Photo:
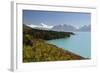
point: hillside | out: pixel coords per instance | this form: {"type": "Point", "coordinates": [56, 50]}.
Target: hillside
{"type": "Point", "coordinates": [36, 49]}
{"type": "Point", "coordinates": [45, 34]}
{"type": "Point", "coordinates": [42, 51]}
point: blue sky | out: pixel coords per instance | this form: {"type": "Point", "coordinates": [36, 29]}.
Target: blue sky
{"type": "Point", "coordinates": [56, 18]}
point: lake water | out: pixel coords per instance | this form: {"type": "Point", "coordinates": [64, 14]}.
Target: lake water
{"type": "Point", "coordinates": [80, 43]}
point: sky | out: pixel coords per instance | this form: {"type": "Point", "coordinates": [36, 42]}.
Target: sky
{"type": "Point", "coordinates": [56, 18]}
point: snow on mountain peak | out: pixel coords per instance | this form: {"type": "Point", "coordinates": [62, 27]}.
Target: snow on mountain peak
{"type": "Point", "coordinates": [42, 26]}
{"type": "Point", "coordinates": [46, 26]}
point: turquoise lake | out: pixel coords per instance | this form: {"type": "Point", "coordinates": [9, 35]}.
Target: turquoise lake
{"type": "Point", "coordinates": [80, 43]}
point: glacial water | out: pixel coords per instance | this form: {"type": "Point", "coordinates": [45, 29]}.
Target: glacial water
{"type": "Point", "coordinates": [80, 43]}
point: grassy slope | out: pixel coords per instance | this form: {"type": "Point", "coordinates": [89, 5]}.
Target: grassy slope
{"type": "Point", "coordinates": [35, 48]}
{"type": "Point", "coordinates": [42, 51]}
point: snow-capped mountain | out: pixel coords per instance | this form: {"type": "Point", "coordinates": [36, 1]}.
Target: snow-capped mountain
{"type": "Point", "coordinates": [61, 27]}
{"type": "Point", "coordinates": [64, 27]}
{"type": "Point", "coordinates": [46, 26]}
{"type": "Point", "coordinates": [85, 28]}
{"type": "Point", "coordinates": [41, 26]}
{"type": "Point", "coordinates": [71, 28]}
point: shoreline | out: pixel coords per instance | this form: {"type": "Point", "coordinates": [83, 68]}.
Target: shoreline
{"type": "Point", "coordinates": [48, 52]}
{"type": "Point", "coordinates": [36, 49]}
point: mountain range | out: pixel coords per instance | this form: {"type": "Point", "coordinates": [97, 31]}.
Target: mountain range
{"type": "Point", "coordinates": [41, 26]}
{"type": "Point", "coordinates": [66, 27]}
{"type": "Point", "coordinates": [61, 27]}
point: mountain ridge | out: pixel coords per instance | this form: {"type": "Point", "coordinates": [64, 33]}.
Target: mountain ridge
{"type": "Point", "coordinates": [61, 27]}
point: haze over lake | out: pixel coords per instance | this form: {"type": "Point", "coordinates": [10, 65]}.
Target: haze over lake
{"type": "Point", "coordinates": [79, 43]}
